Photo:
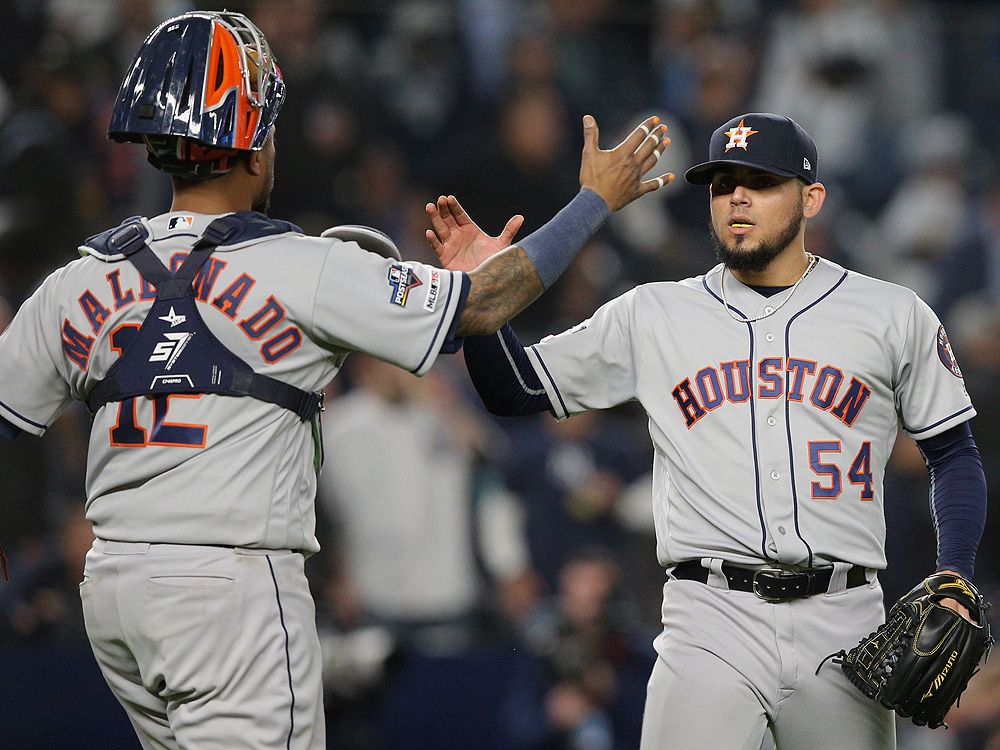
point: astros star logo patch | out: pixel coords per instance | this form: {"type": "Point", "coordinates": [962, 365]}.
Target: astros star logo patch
{"type": "Point", "coordinates": [945, 353]}
{"type": "Point", "coordinates": [738, 136]}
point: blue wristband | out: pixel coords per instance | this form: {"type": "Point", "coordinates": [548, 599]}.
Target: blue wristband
{"type": "Point", "coordinates": [554, 246]}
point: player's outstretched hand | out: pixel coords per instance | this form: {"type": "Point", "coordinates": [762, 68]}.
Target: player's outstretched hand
{"type": "Point", "coordinates": [616, 174]}
{"type": "Point", "coordinates": [458, 241]}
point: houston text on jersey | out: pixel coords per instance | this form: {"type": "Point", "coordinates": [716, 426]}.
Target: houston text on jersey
{"type": "Point", "coordinates": [826, 387]}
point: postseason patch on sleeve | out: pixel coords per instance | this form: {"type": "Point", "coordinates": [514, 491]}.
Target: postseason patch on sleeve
{"type": "Point", "coordinates": [946, 354]}
{"type": "Point", "coordinates": [402, 279]}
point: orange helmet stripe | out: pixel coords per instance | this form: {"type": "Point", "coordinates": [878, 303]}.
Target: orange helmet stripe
{"type": "Point", "coordinates": [224, 74]}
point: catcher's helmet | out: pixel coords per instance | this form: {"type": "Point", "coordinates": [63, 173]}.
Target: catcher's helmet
{"type": "Point", "coordinates": [204, 76]}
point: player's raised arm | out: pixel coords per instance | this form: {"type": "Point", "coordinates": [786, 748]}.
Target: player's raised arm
{"type": "Point", "coordinates": [505, 279]}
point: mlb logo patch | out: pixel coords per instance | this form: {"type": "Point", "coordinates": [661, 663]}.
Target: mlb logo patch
{"type": "Point", "coordinates": [433, 291]}
{"type": "Point", "coordinates": [402, 279]}
{"type": "Point", "coordinates": [180, 222]}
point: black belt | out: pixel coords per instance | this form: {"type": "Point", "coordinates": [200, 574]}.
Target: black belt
{"type": "Point", "coordinates": [772, 584]}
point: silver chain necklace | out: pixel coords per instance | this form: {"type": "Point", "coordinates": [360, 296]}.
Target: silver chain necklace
{"type": "Point", "coordinates": [813, 260]}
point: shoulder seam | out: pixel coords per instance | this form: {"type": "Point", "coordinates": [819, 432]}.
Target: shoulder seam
{"type": "Point", "coordinates": [906, 328]}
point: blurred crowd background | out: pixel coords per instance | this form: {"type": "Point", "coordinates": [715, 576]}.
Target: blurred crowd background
{"type": "Point", "coordinates": [484, 582]}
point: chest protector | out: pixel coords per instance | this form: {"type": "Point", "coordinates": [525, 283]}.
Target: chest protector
{"type": "Point", "coordinates": [173, 351]}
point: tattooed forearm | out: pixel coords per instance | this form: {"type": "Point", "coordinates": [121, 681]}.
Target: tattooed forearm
{"type": "Point", "coordinates": [501, 287]}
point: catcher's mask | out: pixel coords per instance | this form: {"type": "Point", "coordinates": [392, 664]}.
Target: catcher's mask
{"type": "Point", "coordinates": [202, 88]}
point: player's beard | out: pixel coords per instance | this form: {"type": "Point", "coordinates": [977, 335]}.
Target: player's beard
{"type": "Point", "coordinates": [747, 256]}
{"type": "Point", "coordinates": [262, 203]}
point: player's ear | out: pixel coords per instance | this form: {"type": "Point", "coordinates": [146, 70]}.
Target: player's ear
{"type": "Point", "coordinates": [254, 162]}
{"type": "Point", "coordinates": [812, 199]}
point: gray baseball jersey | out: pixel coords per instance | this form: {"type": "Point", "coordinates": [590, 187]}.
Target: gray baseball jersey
{"type": "Point", "coordinates": [215, 469]}
{"type": "Point", "coordinates": [771, 437]}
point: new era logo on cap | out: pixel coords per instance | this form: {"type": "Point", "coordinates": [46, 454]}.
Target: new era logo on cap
{"type": "Point", "coordinates": [772, 143]}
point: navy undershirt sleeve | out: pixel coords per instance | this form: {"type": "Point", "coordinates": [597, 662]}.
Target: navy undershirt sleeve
{"type": "Point", "coordinates": [9, 430]}
{"type": "Point", "coordinates": [453, 342]}
{"type": "Point", "coordinates": [958, 496]}
{"type": "Point", "coordinates": [503, 375]}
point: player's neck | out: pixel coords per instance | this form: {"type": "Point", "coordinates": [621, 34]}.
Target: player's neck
{"type": "Point", "coordinates": [210, 197]}
{"type": "Point", "coordinates": [784, 270]}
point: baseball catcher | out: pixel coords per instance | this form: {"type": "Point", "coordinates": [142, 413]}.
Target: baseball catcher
{"type": "Point", "coordinates": [921, 659]}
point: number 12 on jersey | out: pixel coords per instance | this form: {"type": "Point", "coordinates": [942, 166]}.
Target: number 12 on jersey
{"type": "Point", "coordinates": [822, 454]}
{"type": "Point", "coordinates": [127, 433]}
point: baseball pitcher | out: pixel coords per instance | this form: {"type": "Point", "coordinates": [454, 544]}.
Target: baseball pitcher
{"type": "Point", "coordinates": [775, 385]}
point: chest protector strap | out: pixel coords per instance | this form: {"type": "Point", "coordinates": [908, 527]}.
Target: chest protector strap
{"type": "Point", "coordinates": [173, 351]}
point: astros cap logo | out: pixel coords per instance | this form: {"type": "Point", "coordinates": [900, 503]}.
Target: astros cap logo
{"type": "Point", "coordinates": [738, 136]}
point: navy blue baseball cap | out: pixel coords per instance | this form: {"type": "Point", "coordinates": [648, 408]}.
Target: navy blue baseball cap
{"type": "Point", "coordinates": [772, 143]}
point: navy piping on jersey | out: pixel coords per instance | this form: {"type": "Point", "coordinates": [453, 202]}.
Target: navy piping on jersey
{"type": "Point", "coordinates": [454, 321]}
{"type": "Point", "coordinates": [36, 424]}
{"type": "Point", "coordinates": [704, 283]}
{"type": "Point", "coordinates": [517, 371]}
{"type": "Point", "coordinates": [174, 237]}
{"type": "Point", "coordinates": [551, 381]}
{"type": "Point", "coordinates": [288, 656]}
{"type": "Point", "coordinates": [940, 421]}
{"type": "Point", "coordinates": [753, 427]}
{"type": "Point", "coordinates": [788, 422]}
{"type": "Point", "coordinates": [753, 442]}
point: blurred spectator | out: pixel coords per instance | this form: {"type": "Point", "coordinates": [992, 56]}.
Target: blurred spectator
{"type": "Point", "coordinates": [382, 196]}
{"type": "Point", "coordinates": [398, 488]}
{"type": "Point", "coordinates": [43, 160]}
{"type": "Point", "coordinates": [610, 87]}
{"type": "Point", "coordinates": [486, 28]}
{"type": "Point", "coordinates": [524, 171]}
{"type": "Point", "coordinates": [420, 79]}
{"type": "Point", "coordinates": [682, 29]}
{"type": "Point", "coordinates": [42, 601]}
{"type": "Point", "coordinates": [928, 211]}
{"type": "Point", "coordinates": [414, 538]}
{"type": "Point", "coordinates": [581, 685]}
{"type": "Point", "coordinates": [971, 271]}
{"type": "Point", "coordinates": [852, 73]}
{"type": "Point", "coordinates": [324, 120]}
{"type": "Point", "coordinates": [569, 477]}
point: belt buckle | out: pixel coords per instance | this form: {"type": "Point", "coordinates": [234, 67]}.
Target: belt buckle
{"type": "Point", "coordinates": [774, 573]}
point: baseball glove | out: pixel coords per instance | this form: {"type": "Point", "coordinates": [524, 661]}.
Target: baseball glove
{"type": "Point", "coordinates": [922, 658]}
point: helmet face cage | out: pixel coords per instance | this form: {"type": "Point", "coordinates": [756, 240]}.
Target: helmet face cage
{"type": "Point", "coordinates": [267, 74]}
{"type": "Point", "coordinates": [206, 76]}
